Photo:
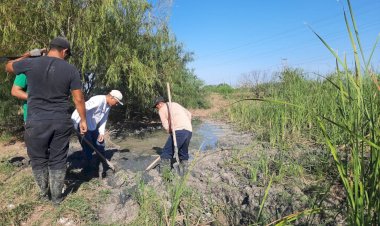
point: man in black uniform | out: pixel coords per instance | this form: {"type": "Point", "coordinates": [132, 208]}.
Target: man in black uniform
{"type": "Point", "coordinates": [48, 126]}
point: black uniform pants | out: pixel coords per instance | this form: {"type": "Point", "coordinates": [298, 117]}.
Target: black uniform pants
{"type": "Point", "coordinates": [47, 143]}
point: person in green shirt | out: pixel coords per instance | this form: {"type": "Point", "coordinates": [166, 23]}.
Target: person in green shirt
{"type": "Point", "coordinates": [19, 90]}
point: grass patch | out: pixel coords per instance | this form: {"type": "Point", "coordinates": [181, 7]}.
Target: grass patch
{"type": "Point", "coordinates": [340, 111]}
{"type": "Point", "coordinates": [21, 188]}
{"type": "Point", "coordinates": [16, 215]}
{"type": "Point", "coordinates": [77, 207]}
{"type": "Point", "coordinates": [5, 137]}
{"type": "Point", "coordinates": [104, 194]}
{"type": "Point", "coordinates": [24, 186]}
{"type": "Point", "coordinates": [6, 168]}
{"type": "Point", "coordinates": [223, 89]}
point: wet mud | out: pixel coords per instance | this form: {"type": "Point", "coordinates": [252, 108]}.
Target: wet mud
{"type": "Point", "coordinates": [229, 194]}
{"type": "Point", "coordinates": [131, 152]}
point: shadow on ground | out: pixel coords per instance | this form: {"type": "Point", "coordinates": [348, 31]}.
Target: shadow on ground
{"type": "Point", "coordinates": [80, 170]}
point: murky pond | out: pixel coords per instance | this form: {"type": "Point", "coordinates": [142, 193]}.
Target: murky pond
{"type": "Point", "coordinates": [205, 137]}
{"type": "Point", "coordinates": [138, 151]}
{"type": "Point", "coordinates": [135, 151]}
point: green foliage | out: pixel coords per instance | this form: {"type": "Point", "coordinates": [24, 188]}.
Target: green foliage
{"type": "Point", "coordinates": [278, 123]}
{"type": "Point", "coordinates": [6, 168]}
{"type": "Point", "coordinates": [341, 110]}
{"type": "Point", "coordinates": [359, 121]}
{"type": "Point", "coordinates": [222, 88]}
{"type": "Point", "coordinates": [78, 206]}
{"type": "Point", "coordinates": [23, 187]}
{"type": "Point", "coordinates": [188, 85]}
{"type": "Point", "coordinates": [167, 207]}
{"type": "Point", "coordinates": [145, 196]}
{"type": "Point", "coordinates": [115, 44]}
{"type": "Point", "coordinates": [16, 215]}
{"type": "Point", "coordinates": [104, 194]}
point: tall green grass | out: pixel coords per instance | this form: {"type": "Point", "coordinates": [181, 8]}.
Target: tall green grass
{"type": "Point", "coordinates": [359, 121]}
{"type": "Point", "coordinates": [223, 89]}
{"type": "Point", "coordinates": [279, 123]}
{"type": "Point", "coordinates": [341, 111]}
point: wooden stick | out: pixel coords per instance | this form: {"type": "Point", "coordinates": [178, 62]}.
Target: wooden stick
{"type": "Point", "coordinates": [153, 164]}
{"type": "Point", "coordinates": [171, 124]}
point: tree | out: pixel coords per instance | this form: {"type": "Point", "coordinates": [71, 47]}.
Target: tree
{"type": "Point", "coordinates": [116, 44]}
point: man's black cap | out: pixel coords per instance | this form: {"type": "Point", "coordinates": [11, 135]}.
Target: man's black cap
{"type": "Point", "coordinates": [61, 42]}
{"type": "Point", "coordinates": [157, 100]}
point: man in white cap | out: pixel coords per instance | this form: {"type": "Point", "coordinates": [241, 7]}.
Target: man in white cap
{"type": "Point", "coordinates": [97, 110]}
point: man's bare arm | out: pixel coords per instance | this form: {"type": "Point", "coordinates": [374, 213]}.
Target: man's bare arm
{"type": "Point", "coordinates": [33, 53]}
{"type": "Point", "coordinates": [9, 64]}
{"type": "Point", "coordinates": [81, 108]}
{"type": "Point", "coordinates": [18, 92]}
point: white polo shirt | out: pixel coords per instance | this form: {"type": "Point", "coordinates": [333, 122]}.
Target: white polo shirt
{"type": "Point", "coordinates": [97, 111]}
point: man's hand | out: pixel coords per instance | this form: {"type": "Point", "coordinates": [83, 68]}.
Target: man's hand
{"type": "Point", "coordinates": [37, 52]}
{"type": "Point", "coordinates": [100, 138]}
{"type": "Point", "coordinates": [80, 106]}
{"type": "Point", "coordinates": [82, 127]}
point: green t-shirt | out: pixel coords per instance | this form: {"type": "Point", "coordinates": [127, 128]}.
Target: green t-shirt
{"type": "Point", "coordinates": [20, 81]}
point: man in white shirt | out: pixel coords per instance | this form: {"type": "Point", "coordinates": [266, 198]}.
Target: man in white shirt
{"type": "Point", "coordinates": [97, 110]}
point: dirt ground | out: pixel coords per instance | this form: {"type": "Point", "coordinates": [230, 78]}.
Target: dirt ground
{"type": "Point", "coordinates": [14, 152]}
{"type": "Point", "coordinates": [217, 103]}
{"type": "Point", "coordinates": [224, 186]}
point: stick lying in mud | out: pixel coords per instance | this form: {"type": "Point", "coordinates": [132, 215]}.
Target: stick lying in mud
{"type": "Point", "coordinates": [96, 150]}
{"type": "Point", "coordinates": [153, 164]}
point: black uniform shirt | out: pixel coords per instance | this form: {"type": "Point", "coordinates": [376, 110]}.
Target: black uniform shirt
{"type": "Point", "coordinates": [50, 81]}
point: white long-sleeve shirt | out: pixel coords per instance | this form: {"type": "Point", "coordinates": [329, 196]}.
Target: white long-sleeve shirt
{"type": "Point", "coordinates": [97, 111]}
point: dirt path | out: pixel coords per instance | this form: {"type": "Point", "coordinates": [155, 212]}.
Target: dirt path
{"type": "Point", "coordinates": [217, 104]}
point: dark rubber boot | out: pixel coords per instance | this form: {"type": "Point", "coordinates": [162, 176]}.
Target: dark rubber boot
{"type": "Point", "coordinates": [94, 166]}
{"type": "Point", "coordinates": [165, 166]}
{"type": "Point", "coordinates": [42, 177]}
{"type": "Point", "coordinates": [184, 167]}
{"type": "Point", "coordinates": [56, 180]}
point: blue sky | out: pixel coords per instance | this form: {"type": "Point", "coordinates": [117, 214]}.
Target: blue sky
{"type": "Point", "coordinates": [233, 39]}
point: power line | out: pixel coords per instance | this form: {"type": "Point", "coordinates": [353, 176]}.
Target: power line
{"type": "Point", "coordinates": [303, 46]}
{"type": "Point", "coordinates": [286, 34]}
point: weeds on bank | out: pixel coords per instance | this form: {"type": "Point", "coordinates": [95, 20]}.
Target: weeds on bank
{"type": "Point", "coordinates": [341, 110]}
{"type": "Point", "coordinates": [358, 121]}
{"type": "Point", "coordinates": [280, 168]}
{"type": "Point", "coordinates": [151, 205]}
{"type": "Point", "coordinates": [177, 202]}
{"type": "Point", "coordinates": [17, 198]}
{"type": "Point", "coordinates": [77, 207]}
{"type": "Point", "coordinates": [6, 168]}
{"type": "Point", "coordinates": [16, 215]}
{"type": "Point", "coordinates": [82, 204]}
{"type": "Point", "coordinates": [5, 137]}
{"type": "Point", "coordinates": [19, 189]}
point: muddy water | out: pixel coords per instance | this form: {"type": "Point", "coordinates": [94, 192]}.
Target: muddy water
{"type": "Point", "coordinates": [137, 152]}
{"type": "Point", "coordinates": [206, 135]}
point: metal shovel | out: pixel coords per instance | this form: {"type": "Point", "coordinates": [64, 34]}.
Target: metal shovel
{"type": "Point", "coordinates": [96, 150]}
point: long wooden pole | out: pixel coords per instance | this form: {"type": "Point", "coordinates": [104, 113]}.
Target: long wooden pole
{"type": "Point", "coordinates": [172, 128]}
